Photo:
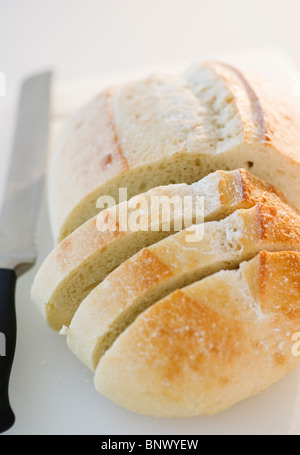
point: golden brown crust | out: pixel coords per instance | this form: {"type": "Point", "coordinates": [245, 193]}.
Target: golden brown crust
{"type": "Point", "coordinates": [249, 190]}
{"type": "Point", "coordinates": [172, 263]}
{"type": "Point", "coordinates": [276, 272]}
{"type": "Point", "coordinates": [275, 225]}
{"type": "Point", "coordinates": [255, 189]}
{"type": "Point", "coordinates": [224, 192]}
{"type": "Point", "coordinates": [187, 356]}
{"type": "Point", "coordinates": [141, 274]}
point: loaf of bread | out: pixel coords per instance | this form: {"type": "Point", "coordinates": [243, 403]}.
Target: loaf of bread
{"type": "Point", "coordinates": [210, 345]}
{"type": "Point", "coordinates": [172, 129]}
{"type": "Point", "coordinates": [174, 263]}
{"type": "Point", "coordinates": [191, 326]}
{"type": "Point", "coordinates": [89, 254]}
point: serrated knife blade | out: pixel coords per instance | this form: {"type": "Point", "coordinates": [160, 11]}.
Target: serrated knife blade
{"type": "Point", "coordinates": [19, 211]}
{"type": "Point", "coordinates": [18, 216]}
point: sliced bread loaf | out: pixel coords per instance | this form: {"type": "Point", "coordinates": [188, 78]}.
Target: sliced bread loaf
{"type": "Point", "coordinates": [210, 345]}
{"type": "Point", "coordinates": [91, 252]}
{"type": "Point", "coordinates": [170, 264]}
{"type": "Point", "coordinates": [171, 129]}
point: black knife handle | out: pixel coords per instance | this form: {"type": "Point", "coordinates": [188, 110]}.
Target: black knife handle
{"type": "Point", "coordinates": [8, 333]}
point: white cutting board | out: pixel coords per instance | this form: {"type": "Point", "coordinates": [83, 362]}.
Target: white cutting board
{"type": "Point", "coordinates": [53, 393]}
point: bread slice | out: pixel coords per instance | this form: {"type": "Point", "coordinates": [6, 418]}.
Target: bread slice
{"type": "Point", "coordinates": [171, 264]}
{"type": "Point", "coordinates": [91, 252]}
{"type": "Point", "coordinates": [210, 345]}
{"type": "Point", "coordinates": [171, 129]}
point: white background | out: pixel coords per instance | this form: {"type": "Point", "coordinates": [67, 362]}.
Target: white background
{"type": "Point", "coordinates": [85, 38]}
{"type": "Point", "coordinates": [51, 392]}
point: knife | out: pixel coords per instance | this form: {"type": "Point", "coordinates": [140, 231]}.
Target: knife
{"type": "Point", "coordinates": [18, 217]}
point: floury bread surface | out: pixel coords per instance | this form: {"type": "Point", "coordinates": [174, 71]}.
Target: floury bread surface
{"type": "Point", "coordinates": [210, 345]}
{"type": "Point", "coordinates": [171, 264]}
{"type": "Point", "coordinates": [190, 327]}
{"type": "Point", "coordinates": [172, 129]}
{"type": "Point", "coordinates": [89, 254]}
